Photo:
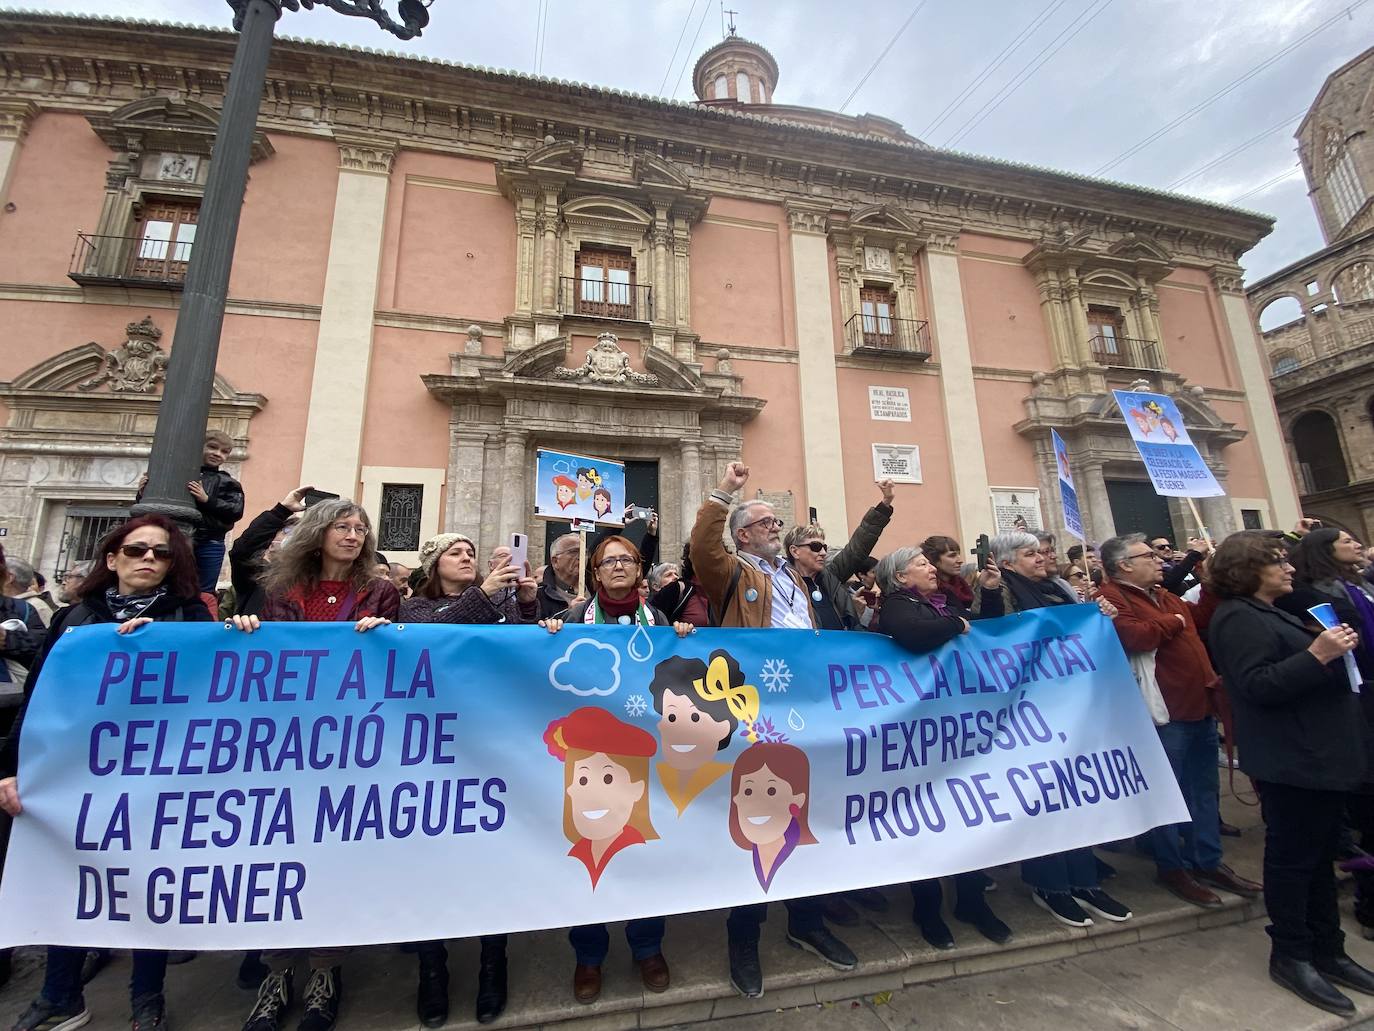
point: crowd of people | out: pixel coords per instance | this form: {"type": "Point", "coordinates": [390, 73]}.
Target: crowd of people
{"type": "Point", "coordinates": [1216, 637]}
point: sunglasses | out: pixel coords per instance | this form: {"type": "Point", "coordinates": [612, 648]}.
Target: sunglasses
{"type": "Point", "coordinates": [159, 551]}
{"type": "Point", "coordinates": [819, 547]}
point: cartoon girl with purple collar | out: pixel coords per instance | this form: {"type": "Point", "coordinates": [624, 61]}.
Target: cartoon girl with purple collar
{"type": "Point", "coordinates": [769, 788]}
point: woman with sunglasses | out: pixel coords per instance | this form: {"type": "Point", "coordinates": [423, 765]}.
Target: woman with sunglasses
{"type": "Point", "coordinates": [325, 571]}
{"type": "Point", "coordinates": [146, 573]}
{"type": "Point", "coordinates": [613, 573]}
{"type": "Point", "coordinates": [825, 574]}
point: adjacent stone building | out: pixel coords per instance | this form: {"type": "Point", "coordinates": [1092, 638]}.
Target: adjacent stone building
{"type": "Point", "coordinates": [1322, 359]}
{"type": "Point", "coordinates": [441, 268]}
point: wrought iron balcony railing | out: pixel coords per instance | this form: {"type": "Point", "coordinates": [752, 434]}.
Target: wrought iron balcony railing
{"type": "Point", "coordinates": [129, 261]}
{"type": "Point", "coordinates": [1125, 353]}
{"type": "Point", "coordinates": [604, 299]}
{"type": "Point", "coordinates": [882, 335]}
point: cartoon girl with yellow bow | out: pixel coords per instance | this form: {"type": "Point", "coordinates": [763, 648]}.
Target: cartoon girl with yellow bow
{"type": "Point", "coordinates": [699, 706]}
{"type": "Point", "coordinates": [588, 479]}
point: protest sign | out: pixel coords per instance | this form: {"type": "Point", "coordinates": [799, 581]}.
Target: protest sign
{"type": "Point", "coordinates": [187, 786]}
{"type": "Point", "coordinates": [1068, 497]}
{"type": "Point", "coordinates": [1176, 468]}
{"type": "Point", "coordinates": [578, 488]}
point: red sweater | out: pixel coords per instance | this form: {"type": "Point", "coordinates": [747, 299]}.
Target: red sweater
{"type": "Point", "coordinates": [1147, 622]}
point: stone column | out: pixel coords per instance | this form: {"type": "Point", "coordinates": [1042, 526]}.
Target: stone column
{"type": "Point", "coordinates": [343, 348]}
{"type": "Point", "coordinates": [15, 118]}
{"type": "Point", "coordinates": [692, 494]}
{"type": "Point", "coordinates": [467, 453]}
{"type": "Point", "coordinates": [1093, 503]}
{"type": "Point", "coordinates": [1078, 318]}
{"type": "Point", "coordinates": [968, 466]}
{"type": "Point", "coordinates": [524, 255]}
{"type": "Point", "coordinates": [820, 395]}
{"type": "Point", "coordinates": [513, 477]}
{"type": "Point", "coordinates": [1259, 402]}
{"type": "Point", "coordinates": [549, 227]}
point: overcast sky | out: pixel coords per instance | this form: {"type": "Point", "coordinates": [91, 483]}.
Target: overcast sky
{"type": "Point", "coordinates": [1123, 70]}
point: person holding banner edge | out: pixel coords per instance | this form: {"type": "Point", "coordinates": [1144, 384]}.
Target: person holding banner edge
{"type": "Point", "coordinates": [614, 569]}
{"type": "Point", "coordinates": [146, 572]}
{"type": "Point", "coordinates": [326, 571]}
{"type": "Point", "coordinates": [1067, 883]}
{"type": "Point", "coordinates": [754, 587]}
{"type": "Point", "coordinates": [452, 593]}
{"type": "Point", "coordinates": [920, 616]}
{"type": "Point", "coordinates": [1298, 728]}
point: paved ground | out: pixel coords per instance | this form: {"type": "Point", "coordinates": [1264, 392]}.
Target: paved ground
{"type": "Point", "coordinates": [1172, 967]}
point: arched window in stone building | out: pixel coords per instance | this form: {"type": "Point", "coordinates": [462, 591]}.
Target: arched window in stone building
{"type": "Point", "coordinates": [1321, 464]}
{"type": "Point", "coordinates": [1356, 283]}
{"type": "Point", "coordinates": [1342, 182]}
{"type": "Point", "coordinates": [1279, 312]}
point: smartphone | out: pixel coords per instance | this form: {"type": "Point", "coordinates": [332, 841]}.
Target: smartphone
{"type": "Point", "coordinates": [982, 552]}
{"type": "Point", "coordinates": [642, 513]}
{"type": "Point", "coordinates": [314, 497]}
{"type": "Point", "coordinates": [519, 551]}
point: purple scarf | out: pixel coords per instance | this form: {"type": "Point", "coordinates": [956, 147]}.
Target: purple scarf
{"type": "Point", "coordinates": [1365, 608]}
{"type": "Point", "coordinates": [937, 601]}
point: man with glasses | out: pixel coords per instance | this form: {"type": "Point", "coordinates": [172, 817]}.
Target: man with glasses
{"type": "Point", "coordinates": [1188, 856]}
{"type": "Point", "coordinates": [1179, 577]}
{"type": "Point", "coordinates": [754, 587]}
{"type": "Point", "coordinates": [825, 574]}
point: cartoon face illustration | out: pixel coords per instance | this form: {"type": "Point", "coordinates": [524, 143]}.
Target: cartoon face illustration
{"type": "Point", "coordinates": [769, 790]}
{"type": "Point", "coordinates": [700, 706]}
{"type": "Point", "coordinates": [601, 501]}
{"type": "Point", "coordinates": [1142, 421]}
{"type": "Point", "coordinates": [1167, 426]}
{"type": "Point", "coordinates": [588, 479]}
{"type": "Point", "coordinates": [605, 784]}
{"type": "Point", "coordinates": [565, 491]}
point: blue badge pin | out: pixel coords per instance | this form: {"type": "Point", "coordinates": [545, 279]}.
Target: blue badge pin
{"type": "Point", "coordinates": [623, 620]}
{"type": "Point", "coordinates": [816, 595]}
{"type": "Point", "coordinates": [751, 594]}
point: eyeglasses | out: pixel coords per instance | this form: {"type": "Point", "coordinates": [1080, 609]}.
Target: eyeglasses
{"type": "Point", "coordinates": [159, 551]}
{"type": "Point", "coordinates": [616, 560]}
{"type": "Point", "coordinates": [819, 547]}
{"type": "Point", "coordinates": [771, 522]}
{"type": "Point", "coordinates": [1078, 575]}
{"type": "Point", "coordinates": [1140, 554]}
{"type": "Point", "coordinates": [349, 530]}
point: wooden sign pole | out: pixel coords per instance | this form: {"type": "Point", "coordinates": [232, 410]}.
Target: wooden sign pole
{"type": "Point", "coordinates": [1201, 528]}
{"type": "Point", "coordinates": [582, 561]}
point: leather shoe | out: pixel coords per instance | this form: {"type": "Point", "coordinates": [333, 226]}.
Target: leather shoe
{"type": "Point", "coordinates": [1226, 879]}
{"type": "Point", "coordinates": [1181, 884]}
{"type": "Point", "coordinates": [987, 923]}
{"type": "Point", "coordinates": [491, 984]}
{"type": "Point", "coordinates": [586, 983]}
{"type": "Point", "coordinates": [1344, 971]}
{"type": "Point", "coordinates": [840, 913]}
{"type": "Point", "coordinates": [746, 975]}
{"type": "Point", "coordinates": [654, 973]}
{"type": "Point", "coordinates": [1303, 980]}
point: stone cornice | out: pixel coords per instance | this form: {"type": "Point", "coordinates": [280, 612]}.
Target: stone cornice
{"type": "Point", "coordinates": [482, 113]}
{"type": "Point", "coordinates": [366, 153]}
{"type": "Point", "coordinates": [15, 118]}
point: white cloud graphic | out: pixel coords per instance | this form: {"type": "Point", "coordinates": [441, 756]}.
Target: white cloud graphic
{"type": "Point", "coordinates": [594, 669]}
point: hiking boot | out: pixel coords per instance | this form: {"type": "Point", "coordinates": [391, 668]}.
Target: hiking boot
{"type": "Point", "coordinates": [322, 995]}
{"type": "Point", "coordinates": [274, 999]}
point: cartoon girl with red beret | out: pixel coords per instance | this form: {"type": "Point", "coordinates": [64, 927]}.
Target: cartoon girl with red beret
{"type": "Point", "coordinates": [564, 491]}
{"type": "Point", "coordinates": [606, 784]}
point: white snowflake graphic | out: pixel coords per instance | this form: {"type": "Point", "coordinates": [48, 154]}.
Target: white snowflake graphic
{"type": "Point", "coordinates": [776, 676]}
{"type": "Point", "coordinates": [635, 706]}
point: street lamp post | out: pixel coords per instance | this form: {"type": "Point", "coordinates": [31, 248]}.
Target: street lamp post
{"type": "Point", "coordinates": [180, 434]}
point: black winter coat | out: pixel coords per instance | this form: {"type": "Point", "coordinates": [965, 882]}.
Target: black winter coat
{"type": "Point", "coordinates": [224, 506]}
{"type": "Point", "coordinates": [1295, 721]}
{"type": "Point", "coordinates": [245, 559]}
{"type": "Point", "coordinates": [914, 623]}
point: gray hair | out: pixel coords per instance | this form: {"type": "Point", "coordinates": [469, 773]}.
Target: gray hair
{"type": "Point", "coordinates": [656, 574]}
{"type": "Point", "coordinates": [740, 516]}
{"type": "Point", "coordinates": [1005, 545]}
{"type": "Point", "coordinates": [1113, 552]}
{"type": "Point", "coordinates": [1041, 536]}
{"type": "Point", "coordinates": [563, 543]}
{"type": "Point", "coordinates": [21, 571]}
{"type": "Point", "coordinates": [885, 572]}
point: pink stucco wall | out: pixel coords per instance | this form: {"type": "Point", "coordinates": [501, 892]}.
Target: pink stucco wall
{"type": "Point", "coordinates": [1194, 339]}
{"type": "Point", "coordinates": [918, 509]}
{"type": "Point", "coordinates": [1002, 305]}
{"type": "Point", "coordinates": [773, 440]}
{"type": "Point", "coordinates": [1010, 459]}
{"type": "Point", "coordinates": [449, 244]}
{"type": "Point", "coordinates": [741, 278]}
{"type": "Point", "coordinates": [396, 396]}
{"type": "Point", "coordinates": [1245, 470]}
{"type": "Point", "coordinates": [57, 188]}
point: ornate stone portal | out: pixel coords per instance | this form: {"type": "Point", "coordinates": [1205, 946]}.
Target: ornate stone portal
{"type": "Point", "coordinates": [79, 429]}
{"type": "Point", "coordinates": [689, 421]}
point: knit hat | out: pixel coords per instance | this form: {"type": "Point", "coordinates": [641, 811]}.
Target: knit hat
{"type": "Point", "coordinates": [436, 546]}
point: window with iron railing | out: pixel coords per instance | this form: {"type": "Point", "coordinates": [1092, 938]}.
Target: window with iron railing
{"type": "Point", "coordinates": [398, 521]}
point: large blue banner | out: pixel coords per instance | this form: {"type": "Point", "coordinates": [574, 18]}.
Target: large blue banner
{"type": "Point", "coordinates": [188, 786]}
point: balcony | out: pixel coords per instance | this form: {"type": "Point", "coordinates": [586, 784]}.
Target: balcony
{"type": "Point", "coordinates": [1126, 353]}
{"type": "Point", "coordinates": [602, 299]}
{"type": "Point", "coordinates": [129, 261]}
{"type": "Point", "coordinates": [885, 337]}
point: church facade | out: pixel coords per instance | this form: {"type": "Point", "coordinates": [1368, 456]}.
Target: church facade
{"type": "Point", "coordinates": [441, 269]}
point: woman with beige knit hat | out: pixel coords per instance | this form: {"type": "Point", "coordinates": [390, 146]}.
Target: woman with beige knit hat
{"type": "Point", "coordinates": [454, 591]}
